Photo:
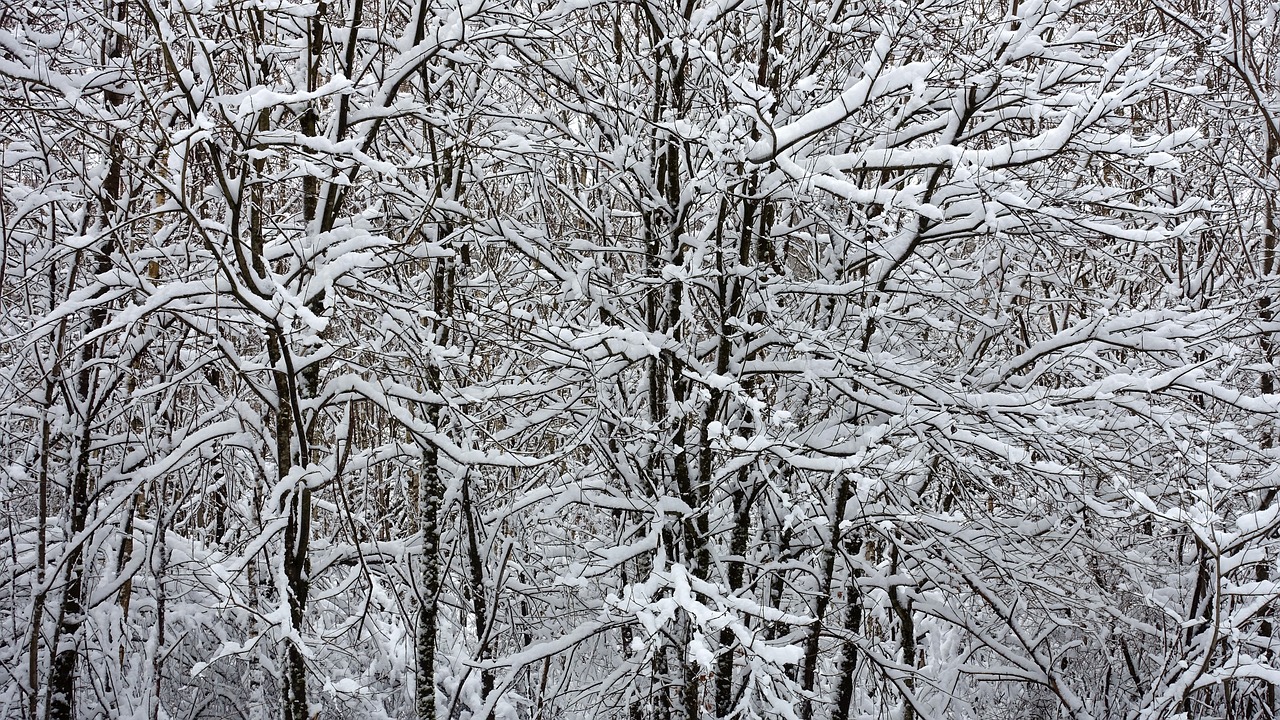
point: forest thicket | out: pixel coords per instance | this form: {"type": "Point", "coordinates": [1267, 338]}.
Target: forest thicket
{"type": "Point", "coordinates": [639, 359]}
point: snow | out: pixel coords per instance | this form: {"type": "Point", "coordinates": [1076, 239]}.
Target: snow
{"type": "Point", "coordinates": [578, 354]}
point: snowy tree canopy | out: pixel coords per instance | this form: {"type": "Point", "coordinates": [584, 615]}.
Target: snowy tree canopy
{"type": "Point", "coordinates": [703, 360]}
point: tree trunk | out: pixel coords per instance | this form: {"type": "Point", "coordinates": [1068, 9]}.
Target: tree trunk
{"type": "Point", "coordinates": [429, 492]}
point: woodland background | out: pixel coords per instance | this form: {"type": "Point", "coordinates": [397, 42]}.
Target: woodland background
{"type": "Point", "coordinates": [639, 359]}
